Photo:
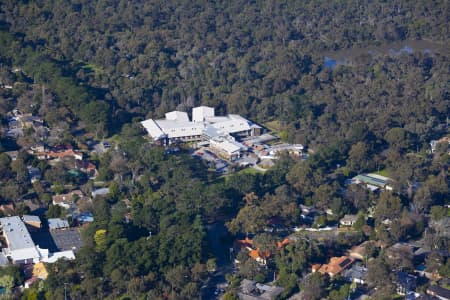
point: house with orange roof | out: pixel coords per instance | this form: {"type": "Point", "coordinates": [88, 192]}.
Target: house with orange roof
{"type": "Point", "coordinates": [245, 244]}
{"type": "Point", "coordinates": [335, 266]}
{"type": "Point", "coordinates": [258, 255]}
{"type": "Point", "coordinates": [283, 243]}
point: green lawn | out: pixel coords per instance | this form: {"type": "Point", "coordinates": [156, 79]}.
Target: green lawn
{"type": "Point", "coordinates": [272, 125]}
{"type": "Point", "coordinates": [252, 171]}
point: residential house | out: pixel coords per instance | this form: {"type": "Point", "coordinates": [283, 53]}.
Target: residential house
{"type": "Point", "coordinates": [250, 290]}
{"type": "Point", "coordinates": [292, 149]}
{"type": "Point", "coordinates": [86, 167]}
{"type": "Point", "coordinates": [308, 213]}
{"type": "Point", "coordinates": [85, 217]}
{"type": "Point", "coordinates": [57, 224]}
{"type": "Point", "coordinates": [357, 274]}
{"type": "Point", "coordinates": [40, 271]}
{"type": "Point", "coordinates": [260, 256]}
{"type": "Point", "coordinates": [12, 154]}
{"type": "Point", "coordinates": [34, 174]}
{"type": "Point", "coordinates": [65, 153]}
{"type": "Point", "coordinates": [359, 252]}
{"type": "Point", "coordinates": [399, 250]}
{"type": "Point", "coordinates": [438, 292]}
{"type": "Point", "coordinates": [100, 192]}
{"type": "Point", "coordinates": [443, 140]}
{"type": "Point", "coordinates": [334, 267]}
{"type": "Point", "coordinates": [348, 220]}
{"type": "Point", "coordinates": [66, 200]}
{"type": "Point", "coordinates": [405, 283]}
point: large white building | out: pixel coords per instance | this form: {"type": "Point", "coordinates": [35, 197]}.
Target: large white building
{"type": "Point", "coordinates": [219, 131]}
{"type": "Point", "coordinates": [21, 248]}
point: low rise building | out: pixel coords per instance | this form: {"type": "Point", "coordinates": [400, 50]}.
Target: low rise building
{"type": "Point", "coordinates": [21, 248]}
{"type": "Point", "coordinates": [100, 192]}
{"type": "Point", "coordinates": [405, 283]}
{"type": "Point", "coordinates": [33, 222]}
{"type": "Point", "coordinates": [57, 224]}
{"type": "Point", "coordinates": [66, 200]}
{"type": "Point", "coordinates": [373, 181]}
{"type": "Point", "coordinates": [250, 290]}
{"type": "Point", "coordinates": [218, 131]}
{"type": "Point", "coordinates": [348, 220]}
{"type": "Point", "coordinates": [40, 271]}
{"type": "Point", "coordinates": [334, 267]}
{"type": "Point", "coordinates": [356, 274]}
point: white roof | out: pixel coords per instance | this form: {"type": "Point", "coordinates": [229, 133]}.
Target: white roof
{"type": "Point", "coordinates": [177, 116]}
{"type": "Point", "coordinates": [53, 257]}
{"type": "Point", "coordinates": [16, 233]}
{"type": "Point", "coordinates": [200, 113]}
{"type": "Point", "coordinates": [25, 253]}
{"type": "Point", "coordinates": [177, 124]}
{"type": "Point", "coordinates": [175, 129]}
{"type": "Point", "coordinates": [225, 145]}
{"type": "Point", "coordinates": [153, 129]}
{"type": "Point", "coordinates": [30, 218]}
{"type": "Point", "coordinates": [232, 125]}
{"type": "Point", "coordinates": [100, 192]}
{"type": "Point", "coordinates": [217, 119]}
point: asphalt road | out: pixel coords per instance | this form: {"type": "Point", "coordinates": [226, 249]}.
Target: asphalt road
{"type": "Point", "coordinates": [217, 234]}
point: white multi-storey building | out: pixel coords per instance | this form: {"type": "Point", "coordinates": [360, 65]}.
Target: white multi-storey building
{"type": "Point", "coordinates": [219, 131]}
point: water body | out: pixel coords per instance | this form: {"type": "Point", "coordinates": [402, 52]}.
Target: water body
{"type": "Point", "coordinates": [346, 56]}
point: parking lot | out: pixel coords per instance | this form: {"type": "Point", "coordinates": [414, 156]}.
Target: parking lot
{"type": "Point", "coordinates": [212, 160]}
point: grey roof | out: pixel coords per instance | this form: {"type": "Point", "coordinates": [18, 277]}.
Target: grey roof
{"type": "Point", "coordinates": [57, 223]}
{"type": "Point", "coordinates": [356, 272]}
{"type": "Point", "coordinates": [16, 233]}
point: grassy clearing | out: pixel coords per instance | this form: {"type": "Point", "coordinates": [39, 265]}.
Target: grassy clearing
{"type": "Point", "coordinates": [91, 67]}
{"type": "Point", "coordinates": [273, 125]}
{"type": "Point", "coordinates": [383, 172]}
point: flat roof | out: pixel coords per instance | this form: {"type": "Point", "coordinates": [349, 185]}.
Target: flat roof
{"type": "Point", "coordinates": [177, 124]}
{"type": "Point", "coordinates": [177, 116]}
{"type": "Point", "coordinates": [16, 233]}
{"type": "Point", "coordinates": [57, 223]}
{"type": "Point", "coordinates": [225, 145]}
{"type": "Point", "coordinates": [30, 218]}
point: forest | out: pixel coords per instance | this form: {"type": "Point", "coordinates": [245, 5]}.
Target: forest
{"type": "Point", "coordinates": [94, 69]}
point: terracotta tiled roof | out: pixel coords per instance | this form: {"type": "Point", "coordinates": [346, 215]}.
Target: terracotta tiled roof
{"type": "Point", "coordinates": [336, 265]}
{"type": "Point", "coordinates": [245, 243]}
